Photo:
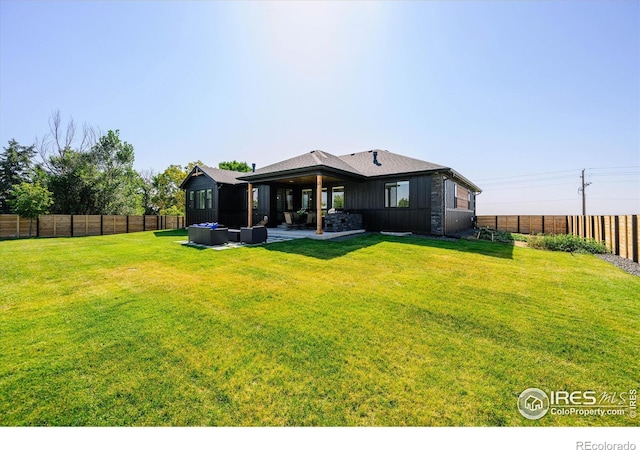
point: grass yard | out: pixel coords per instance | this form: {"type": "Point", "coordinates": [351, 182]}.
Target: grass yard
{"type": "Point", "coordinates": [138, 330]}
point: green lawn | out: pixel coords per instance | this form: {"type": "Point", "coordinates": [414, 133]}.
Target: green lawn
{"type": "Point", "coordinates": [138, 330]}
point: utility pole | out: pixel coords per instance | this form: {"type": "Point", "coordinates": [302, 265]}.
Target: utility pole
{"type": "Point", "coordinates": [582, 190]}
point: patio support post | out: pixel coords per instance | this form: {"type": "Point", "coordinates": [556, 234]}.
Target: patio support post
{"type": "Point", "coordinates": [250, 206]}
{"type": "Point", "coordinates": [318, 204]}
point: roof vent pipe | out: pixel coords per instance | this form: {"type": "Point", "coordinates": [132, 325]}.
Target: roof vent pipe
{"type": "Point", "coordinates": [253, 167]}
{"type": "Point", "coordinates": [375, 159]}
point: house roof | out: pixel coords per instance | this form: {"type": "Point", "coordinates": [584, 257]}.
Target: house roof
{"type": "Point", "coordinates": [315, 159]}
{"type": "Point", "coordinates": [359, 165]}
{"type": "Point", "coordinates": [221, 176]}
{"type": "Point", "coordinates": [388, 163]}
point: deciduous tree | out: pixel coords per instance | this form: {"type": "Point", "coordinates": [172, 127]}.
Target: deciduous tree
{"type": "Point", "coordinates": [30, 200]}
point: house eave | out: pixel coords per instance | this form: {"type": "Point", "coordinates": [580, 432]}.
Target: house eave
{"type": "Point", "coordinates": [300, 172]}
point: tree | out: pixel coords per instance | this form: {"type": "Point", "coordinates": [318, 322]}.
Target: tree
{"type": "Point", "coordinates": [116, 184]}
{"type": "Point", "coordinates": [235, 165]}
{"type": "Point", "coordinates": [70, 178]}
{"type": "Point", "coordinates": [169, 198]}
{"type": "Point", "coordinates": [66, 166]}
{"type": "Point", "coordinates": [147, 191]}
{"type": "Point", "coordinates": [30, 200]}
{"type": "Point", "coordinates": [15, 167]}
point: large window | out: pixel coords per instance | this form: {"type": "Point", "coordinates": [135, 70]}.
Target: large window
{"type": "Point", "coordinates": [201, 199]}
{"type": "Point", "coordinates": [209, 198]}
{"type": "Point", "coordinates": [337, 197]}
{"type": "Point", "coordinates": [288, 194]}
{"type": "Point", "coordinates": [307, 199]}
{"type": "Point", "coordinates": [396, 194]}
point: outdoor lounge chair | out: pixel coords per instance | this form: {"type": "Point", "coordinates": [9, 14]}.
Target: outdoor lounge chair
{"type": "Point", "coordinates": [253, 235]}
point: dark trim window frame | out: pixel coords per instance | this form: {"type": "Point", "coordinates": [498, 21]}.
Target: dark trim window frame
{"type": "Point", "coordinates": [337, 197]}
{"type": "Point", "coordinates": [397, 194]}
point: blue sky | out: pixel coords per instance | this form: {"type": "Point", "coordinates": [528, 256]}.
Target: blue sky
{"type": "Point", "coordinates": [517, 96]}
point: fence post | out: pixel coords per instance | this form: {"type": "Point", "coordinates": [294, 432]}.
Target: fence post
{"type": "Point", "coordinates": [635, 238]}
{"type": "Point", "coordinates": [127, 223]}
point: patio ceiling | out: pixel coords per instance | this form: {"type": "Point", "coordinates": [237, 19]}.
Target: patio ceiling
{"type": "Point", "coordinates": [309, 179]}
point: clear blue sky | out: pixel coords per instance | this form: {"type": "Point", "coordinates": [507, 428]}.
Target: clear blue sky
{"type": "Point", "coordinates": [492, 89]}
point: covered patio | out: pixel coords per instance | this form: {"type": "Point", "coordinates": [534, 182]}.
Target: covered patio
{"type": "Point", "coordinates": [314, 183]}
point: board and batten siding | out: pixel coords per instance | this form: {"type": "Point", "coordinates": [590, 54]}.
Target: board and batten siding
{"type": "Point", "coordinates": [202, 215]}
{"type": "Point", "coordinates": [367, 198]}
{"type": "Point", "coordinates": [232, 205]}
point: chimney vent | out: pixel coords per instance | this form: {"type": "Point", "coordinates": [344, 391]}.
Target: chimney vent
{"type": "Point", "coordinates": [375, 159]}
{"type": "Point", "coordinates": [253, 167]}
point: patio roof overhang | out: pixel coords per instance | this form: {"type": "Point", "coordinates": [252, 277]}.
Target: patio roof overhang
{"type": "Point", "coordinates": [302, 176]}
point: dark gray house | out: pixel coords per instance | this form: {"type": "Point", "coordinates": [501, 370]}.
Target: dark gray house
{"type": "Point", "coordinates": [392, 192]}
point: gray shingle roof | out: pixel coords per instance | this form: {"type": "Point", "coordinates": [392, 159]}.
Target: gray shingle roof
{"type": "Point", "coordinates": [359, 164]}
{"type": "Point", "coordinates": [219, 175]}
{"type": "Point", "coordinates": [223, 176]}
{"type": "Point", "coordinates": [315, 158]}
{"type": "Point", "coordinates": [388, 163]}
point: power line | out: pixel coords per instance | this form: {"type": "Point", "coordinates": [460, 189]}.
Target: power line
{"type": "Point", "coordinates": [490, 189]}
{"type": "Point", "coordinates": [529, 175]}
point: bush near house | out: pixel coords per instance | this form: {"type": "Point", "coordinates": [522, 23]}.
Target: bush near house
{"type": "Point", "coordinates": [567, 243]}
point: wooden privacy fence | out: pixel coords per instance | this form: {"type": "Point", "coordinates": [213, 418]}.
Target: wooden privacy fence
{"type": "Point", "coordinates": [619, 233]}
{"type": "Point", "coordinates": [65, 225]}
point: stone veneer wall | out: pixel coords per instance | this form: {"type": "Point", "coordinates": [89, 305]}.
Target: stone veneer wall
{"type": "Point", "coordinates": [342, 222]}
{"type": "Point", "coordinates": [437, 204]}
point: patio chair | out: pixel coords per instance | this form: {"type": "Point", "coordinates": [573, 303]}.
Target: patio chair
{"type": "Point", "coordinates": [311, 220]}
{"type": "Point", "coordinates": [288, 220]}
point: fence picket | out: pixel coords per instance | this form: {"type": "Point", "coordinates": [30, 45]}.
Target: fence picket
{"type": "Point", "coordinates": [56, 225]}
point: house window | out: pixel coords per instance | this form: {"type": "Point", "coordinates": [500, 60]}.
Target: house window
{"type": "Point", "coordinates": [337, 197]}
{"type": "Point", "coordinates": [255, 198]}
{"type": "Point", "coordinates": [307, 201]}
{"type": "Point", "coordinates": [455, 195]}
{"type": "Point", "coordinates": [288, 195]}
{"type": "Point", "coordinates": [396, 194]}
{"type": "Point", "coordinates": [324, 199]}
{"type": "Point", "coordinates": [192, 199]}
{"type": "Point", "coordinates": [461, 199]}
{"type": "Point", "coordinates": [200, 196]}
{"type": "Point", "coordinates": [209, 198]}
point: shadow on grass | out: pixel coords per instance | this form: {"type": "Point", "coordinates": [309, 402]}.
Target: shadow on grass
{"type": "Point", "coordinates": [171, 233]}
{"type": "Point", "coordinates": [328, 250]}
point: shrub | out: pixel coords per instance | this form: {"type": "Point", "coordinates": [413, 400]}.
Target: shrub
{"type": "Point", "coordinates": [567, 243]}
